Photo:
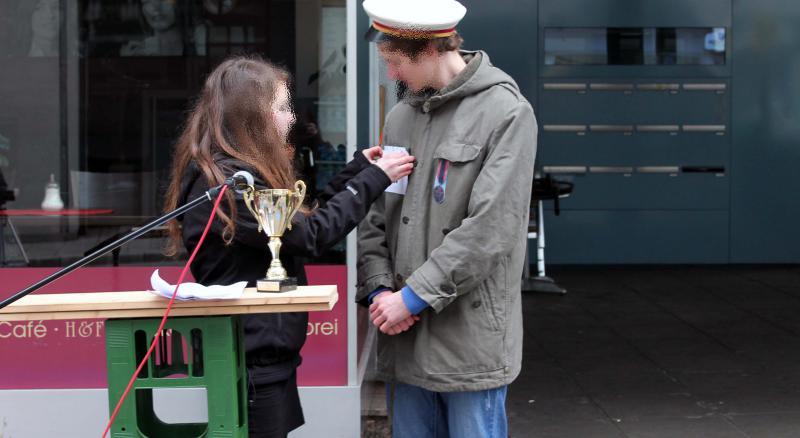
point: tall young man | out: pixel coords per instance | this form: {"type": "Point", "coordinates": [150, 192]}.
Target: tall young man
{"type": "Point", "coordinates": [441, 264]}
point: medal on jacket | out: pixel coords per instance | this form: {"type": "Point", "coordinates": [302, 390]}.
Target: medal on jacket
{"type": "Point", "coordinates": [440, 182]}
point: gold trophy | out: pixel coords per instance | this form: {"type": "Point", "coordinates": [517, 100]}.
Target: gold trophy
{"type": "Point", "coordinates": [274, 210]}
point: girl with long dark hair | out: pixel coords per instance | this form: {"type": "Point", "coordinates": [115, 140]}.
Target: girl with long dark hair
{"type": "Point", "coordinates": [240, 122]}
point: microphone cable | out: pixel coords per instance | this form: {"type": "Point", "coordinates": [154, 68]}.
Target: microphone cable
{"type": "Point", "coordinates": [166, 313]}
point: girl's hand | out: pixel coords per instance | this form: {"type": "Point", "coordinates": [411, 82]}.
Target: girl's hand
{"type": "Point", "coordinates": [373, 153]}
{"type": "Point", "coordinates": [396, 166]}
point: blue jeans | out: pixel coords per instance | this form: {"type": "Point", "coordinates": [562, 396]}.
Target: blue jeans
{"type": "Point", "coordinates": [419, 413]}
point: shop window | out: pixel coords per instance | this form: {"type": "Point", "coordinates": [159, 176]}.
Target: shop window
{"type": "Point", "coordinates": [95, 93]}
{"type": "Point", "coordinates": [634, 46]}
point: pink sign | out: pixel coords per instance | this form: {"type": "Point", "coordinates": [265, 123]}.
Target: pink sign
{"type": "Point", "coordinates": [325, 352]}
{"type": "Point", "coordinates": [71, 354]}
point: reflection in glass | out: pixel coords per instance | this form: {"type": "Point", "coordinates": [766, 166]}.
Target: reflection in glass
{"type": "Point", "coordinates": [634, 46]}
{"type": "Point", "coordinates": [163, 36]}
{"type": "Point", "coordinates": [104, 123]}
{"type": "Point", "coordinates": [44, 27]}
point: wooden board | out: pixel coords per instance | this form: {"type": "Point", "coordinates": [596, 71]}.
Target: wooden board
{"type": "Point", "coordinates": [144, 304]}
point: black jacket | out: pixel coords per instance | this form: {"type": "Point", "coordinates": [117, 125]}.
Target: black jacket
{"type": "Point", "coordinates": [273, 340]}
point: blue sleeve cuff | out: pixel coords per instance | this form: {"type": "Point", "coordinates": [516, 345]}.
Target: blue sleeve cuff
{"type": "Point", "coordinates": [375, 293]}
{"type": "Point", "coordinates": [414, 303]}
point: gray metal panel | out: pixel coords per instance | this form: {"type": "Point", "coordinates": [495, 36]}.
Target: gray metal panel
{"type": "Point", "coordinates": [64, 413]}
{"type": "Point", "coordinates": [638, 149]}
{"type": "Point", "coordinates": [641, 71]}
{"type": "Point", "coordinates": [636, 236]}
{"type": "Point", "coordinates": [766, 132]}
{"type": "Point", "coordinates": [633, 13]}
{"type": "Point", "coordinates": [626, 188]}
{"type": "Point", "coordinates": [330, 411]}
{"type": "Point", "coordinates": [639, 106]}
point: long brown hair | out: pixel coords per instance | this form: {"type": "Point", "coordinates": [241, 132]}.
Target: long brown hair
{"type": "Point", "coordinates": [232, 118]}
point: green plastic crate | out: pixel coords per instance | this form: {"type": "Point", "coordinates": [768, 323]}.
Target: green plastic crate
{"type": "Point", "coordinates": [193, 352]}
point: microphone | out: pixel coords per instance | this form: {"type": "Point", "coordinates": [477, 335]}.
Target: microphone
{"type": "Point", "coordinates": [240, 181]}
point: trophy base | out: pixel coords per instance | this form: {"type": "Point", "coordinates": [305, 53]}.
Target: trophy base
{"type": "Point", "coordinates": [286, 285]}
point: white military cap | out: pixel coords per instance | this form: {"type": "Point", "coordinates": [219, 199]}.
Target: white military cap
{"type": "Point", "coordinates": [414, 19]}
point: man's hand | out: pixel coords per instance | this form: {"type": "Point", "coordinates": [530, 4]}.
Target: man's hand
{"type": "Point", "coordinates": [389, 313]}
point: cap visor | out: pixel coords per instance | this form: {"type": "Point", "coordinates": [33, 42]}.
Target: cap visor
{"type": "Point", "coordinates": [374, 35]}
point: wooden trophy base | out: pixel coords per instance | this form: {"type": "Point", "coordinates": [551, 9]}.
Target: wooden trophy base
{"type": "Point", "coordinates": [286, 285]}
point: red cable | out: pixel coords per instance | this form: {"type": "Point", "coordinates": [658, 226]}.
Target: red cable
{"type": "Point", "coordinates": [169, 307]}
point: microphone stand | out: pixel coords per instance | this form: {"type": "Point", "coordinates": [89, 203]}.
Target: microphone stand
{"type": "Point", "coordinates": [209, 196]}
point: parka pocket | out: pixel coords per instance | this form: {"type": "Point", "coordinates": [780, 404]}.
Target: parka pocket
{"type": "Point", "coordinates": [455, 169]}
{"type": "Point", "coordinates": [494, 291]}
{"type": "Point", "coordinates": [457, 152]}
{"type": "Point", "coordinates": [487, 305]}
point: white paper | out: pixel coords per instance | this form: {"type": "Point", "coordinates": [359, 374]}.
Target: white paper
{"type": "Point", "coordinates": [401, 185]}
{"type": "Point", "coordinates": [196, 291]}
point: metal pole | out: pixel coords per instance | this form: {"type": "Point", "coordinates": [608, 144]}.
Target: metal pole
{"type": "Point", "coordinates": [209, 196]}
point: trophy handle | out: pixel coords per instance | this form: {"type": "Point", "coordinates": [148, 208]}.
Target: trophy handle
{"type": "Point", "coordinates": [300, 192]}
{"type": "Point", "coordinates": [300, 187]}
{"type": "Point", "coordinates": [248, 201]}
